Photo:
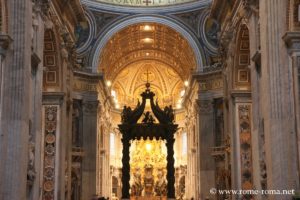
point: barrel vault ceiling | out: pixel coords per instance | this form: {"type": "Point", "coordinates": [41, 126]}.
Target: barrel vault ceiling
{"type": "Point", "coordinates": [147, 52]}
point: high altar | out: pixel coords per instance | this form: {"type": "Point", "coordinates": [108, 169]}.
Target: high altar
{"type": "Point", "coordinates": [148, 171]}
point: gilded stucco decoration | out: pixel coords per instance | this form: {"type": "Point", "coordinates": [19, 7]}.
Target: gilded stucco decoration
{"type": "Point", "coordinates": [147, 53]}
{"type": "Point", "coordinates": [147, 42]}
{"type": "Point", "coordinates": [165, 82]}
{"type": "Point", "coordinates": [244, 117]}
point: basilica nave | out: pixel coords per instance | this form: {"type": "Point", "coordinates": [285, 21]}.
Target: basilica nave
{"type": "Point", "coordinates": [149, 99]}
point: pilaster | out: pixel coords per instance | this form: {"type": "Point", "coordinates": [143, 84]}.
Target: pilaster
{"type": "Point", "coordinates": [14, 120]}
{"type": "Point", "coordinates": [277, 100]}
{"type": "Point", "coordinates": [51, 145]}
{"type": "Point", "coordinates": [90, 108]}
{"type": "Point", "coordinates": [292, 40]}
{"type": "Point", "coordinates": [206, 140]}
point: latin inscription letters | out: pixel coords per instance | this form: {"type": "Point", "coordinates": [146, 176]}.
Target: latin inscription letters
{"type": "Point", "coordinates": [146, 3]}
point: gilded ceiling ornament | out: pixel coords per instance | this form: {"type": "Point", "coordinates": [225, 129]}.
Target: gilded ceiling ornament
{"type": "Point", "coordinates": [128, 46]}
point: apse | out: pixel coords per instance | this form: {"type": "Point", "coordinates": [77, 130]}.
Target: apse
{"type": "Point", "coordinates": [148, 167]}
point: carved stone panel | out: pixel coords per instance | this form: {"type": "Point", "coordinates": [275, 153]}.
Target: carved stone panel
{"type": "Point", "coordinates": [244, 130]}
{"type": "Point", "coordinates": [90, 107]}
{"type": "Point", "coordinates": [50, 145]}
{"type": "Point", "coordinates": [205, 107]}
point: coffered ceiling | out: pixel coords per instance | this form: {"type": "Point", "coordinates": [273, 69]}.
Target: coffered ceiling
{"type": "Point", "coordinates": [144, 52]}
{"type": "Point", "coordinates": [147, 42]}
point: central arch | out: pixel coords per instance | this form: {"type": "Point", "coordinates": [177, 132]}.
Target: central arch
{"type": "Point", "coordinates": [127, 21]}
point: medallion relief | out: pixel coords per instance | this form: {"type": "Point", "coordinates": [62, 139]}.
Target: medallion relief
{"type": "Point", "coordinates": [244, 117]}
{"type": "Point", "coordinates": [49, 151]}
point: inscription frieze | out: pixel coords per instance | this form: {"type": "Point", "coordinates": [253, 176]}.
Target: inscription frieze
{"type": "Point", "coordinates": [81, 85]}
{"type": "Point", "coordinates": [211, 84]}
{"type": "Point", "coordinates": [145, 3]}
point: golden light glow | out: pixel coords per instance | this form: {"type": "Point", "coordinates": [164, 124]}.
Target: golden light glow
{"type": "Point", "coordinates": [166, 43]}
{"type": "Point", "coordinates": [148, 28]}
{"type": "Point", "coordinates": [182, 93]}
{"type": "Point", "coordinates": [186, 83]}
{"type": "Point", "coordinates": [113, 93]}
{"type": "Point", "coordinates": [148, 146]}
{"type": "Point", "coordinates": [129, 53]}
{"type": "Point", "coordinates": [179, 106]}
{"type": "Point", "coordinates": [153, 152]}
{"type": "Point", "coordinates": [165, 83]}
{"type": "Point", "coordinates": [147, 40]}
{"type": "Point", "coordinates": [108, 83]}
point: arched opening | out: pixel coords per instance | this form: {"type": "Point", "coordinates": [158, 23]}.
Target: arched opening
{"type": "Point", "coordinates": [147, 52]}
{"type": "Point", "coordinates": [138, 54]}
{"type": "Point", "coordinates": [166, 22]}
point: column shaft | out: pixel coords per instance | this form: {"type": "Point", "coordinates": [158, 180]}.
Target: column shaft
{"type": "Point", "coordinates": [170, 168]}
{"type": "Point", "coordinates": [14, 124]}
{"type": "Point", "coordinates": [125, 169]}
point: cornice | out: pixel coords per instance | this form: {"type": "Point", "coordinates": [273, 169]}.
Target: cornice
{"type": "Point", "coordinates": [204, 76]}
{"type": "Point", "coordinates": [240, 94]}
{"type": "Point", "coordinates": [88, 75]}
{"type": "Point", "coordinates": [53, 98]}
